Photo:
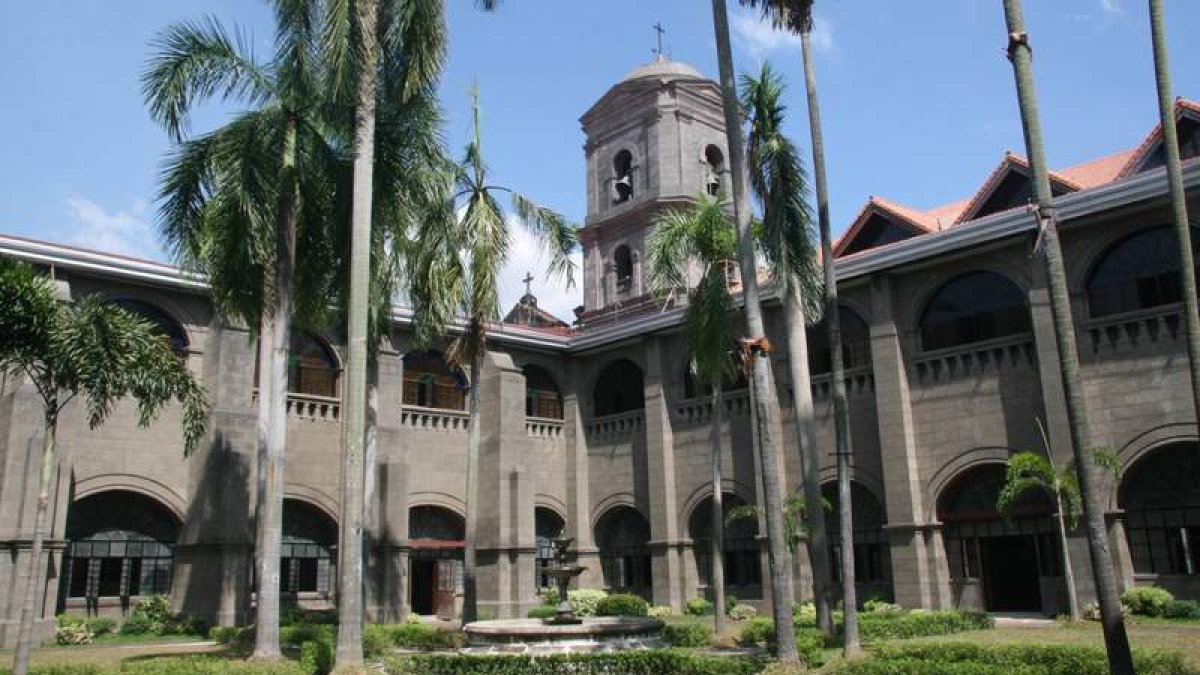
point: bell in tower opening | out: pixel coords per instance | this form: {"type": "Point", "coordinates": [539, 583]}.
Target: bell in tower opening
{"type": "Point", "coordinates": [622, 177]}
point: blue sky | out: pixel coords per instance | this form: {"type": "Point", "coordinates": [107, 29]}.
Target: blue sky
{"type": "Point", "coordinates": [917, 97]}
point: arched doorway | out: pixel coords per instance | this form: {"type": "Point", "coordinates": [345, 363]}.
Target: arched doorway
{"type": "Point", "coordinates": [1160, 495]}
{"type": "Point", "coordinates": [306, 558]}
{"type": "Point", "coordinates": [622, 535]}
{"type": "Point", "coordinates": [743, 571]}
{"type": "Point", "coordinates": [872, 555]}
{"type": "Point", "coordinates": [435, 539]}
{"type": "Point", "coordinates": [999, 563]}
{"type": "Point", "coordinates": [119, 548]}
{"type": "Point", "coordinates": [547, 525]}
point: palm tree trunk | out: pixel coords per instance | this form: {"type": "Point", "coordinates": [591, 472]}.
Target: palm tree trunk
{"type": "Point", "coordinates": [767, 431]}
{"type": "Point", "coordinates": [350, 591]}
{"type": "Point", "coordinates": [1183, 229]}
{"type": "Point", "coordinates": [266, 641]}
{"type": "Point", "coordinates": [470, 610]}
{"type": "Point", "coordinates": [810, 455]}
{"type": "Point", "coordinates": [36, 576]}
{"type": "Point", "coordinates": [718, 513]}
{"type": "Point", "coordinates": [837, 377]}
{"type": "Point", "coordinates": [1120, 661]}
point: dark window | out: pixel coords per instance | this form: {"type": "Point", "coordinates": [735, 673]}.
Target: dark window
{"type": "Point", "coordinates": [166, 325]}
{"type": "Point", "coordinates": [739, 544]}
{"type": "Point", "coordinates": [622, 177]}
{"type": "Point", "coordinates": [1188, 131]}
{"type": "Point", "coordinates": [547, 526]}
{"type": "Point", "coordinates": [306, 556]}
{"type": "Point", "coordinates": [622, 535]}
{"type": "Point", "coordinates": [1139, 272]}
{"type": "Point", "coordinates": [856, 343]}
{"type": "Point", "coordinates": [623, 267]}
{"type": "Point", "coordinates": [429, 382]}
{"type": "Point", "coordinates": [974, 307]}
{"type": "Point", "coordinates": [1161, 498]}
{"type": "Point", "coordinates": [714, 160]}
{"type": "Point", "coordinates": [433, 523]}
{"type": "Point", "coordinates": [872, 557]}
{"type": "Point", "coordinates": [619, 389]}
{"type": "Point", "coordinates": [119, 544]}
{"type": "Point", "coordinates": [312, 368]}
{"type": "Point", "coordinates": [877, 231]}
{"type": "Point", "coordinates": [542, 398]}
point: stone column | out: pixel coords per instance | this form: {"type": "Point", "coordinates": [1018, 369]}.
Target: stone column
{"type": "Point", "coordinates": [1054, 402]}
{"type": "Point", "coordinates": [386, 489]}
{"type": "Point", "coordinates": [912, 577]}
{"type": "Point", "coordinates": [579, 518]}
{"type": "Point", "coordinates": [660, 469]}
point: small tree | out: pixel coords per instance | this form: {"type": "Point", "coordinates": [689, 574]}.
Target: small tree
{"type": "Point", "coordinates": [1032, 472]}
{"type": "Point", "coordinates": [94, 350]}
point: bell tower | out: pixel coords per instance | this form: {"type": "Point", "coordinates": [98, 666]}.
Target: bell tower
{"type": "Point", "coordinates": [654, 141]}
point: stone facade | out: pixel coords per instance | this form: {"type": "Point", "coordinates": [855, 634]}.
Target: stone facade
{"type": "Point", "coordinates": [619, 453]}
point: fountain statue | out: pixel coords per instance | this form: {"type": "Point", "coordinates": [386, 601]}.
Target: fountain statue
{"type": "Point", "coordinates": [562, 573]}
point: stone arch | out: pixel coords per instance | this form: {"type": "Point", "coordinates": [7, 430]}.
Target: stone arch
{"type": "Point", "coordinates": [1145, 443]}
{"type": "Point", "coordinates": [307, 559]}
{"type": "Point", "coordinates": [547, 524]}
{"type": "Point", "coordinates": [702, 492]}
{"type": "Point", "coordinates": [956, 467]}
{"type": "Point", "coordinates": [315, 497]}
{"type": "Point", "coordinates": [1159, 495]}
{"type": "Point", "coordinates": [973, 306]}
{"type": "Point", "coordinates": [872, 550]}
{"type": "Point", "coordinates": [856, 342]}
{"type": "Point", "coordinates": [619, 388]}
{"type": "Point", "coordinates": [435, 538]}
{"type": "Point", "coordinates": [622, 535]}
{"type": "Point", "coordinates": [868, 479]}
{"type": "Point", "coordinates": [741, 563]}
{"type": "Point", "coordinates": [148, 487]}
{"type": "Point", "coordinates": [1138, 270]}
{"type": "Point", "coordinates": [443, 500]}
{"type": "Point", "coordinates": [622, 176]}
{"type": "Point", "coordinates": [174, 329]}
{"type": "Point", "coordinates": [542, 500]}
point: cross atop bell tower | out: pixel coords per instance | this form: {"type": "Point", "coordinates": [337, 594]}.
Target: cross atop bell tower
{"type": "Point", "coordinates": [655, 140]}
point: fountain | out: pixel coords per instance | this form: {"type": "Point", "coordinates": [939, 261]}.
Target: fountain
{"type": "Point", "coordinates": [563, 632]}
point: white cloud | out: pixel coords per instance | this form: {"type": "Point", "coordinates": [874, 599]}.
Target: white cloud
{"type": "Point", "coordinates": [526, 255]}
{"type": "Point", "coordinates": [759, 38]}
{"type": "Point", "coordinates": [1112, 6]}
{"type": "Point", "coordinates": [125, 231]}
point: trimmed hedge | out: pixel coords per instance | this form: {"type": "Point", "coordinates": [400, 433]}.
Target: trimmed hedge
{"type": "Point", "coordinates": [688, 634]}
{"type": "Point", "coordinates": [876, 627]}
{"type": "Point", "coordinates": [647, 662]}
{"type": "Point", "coordinates": [964, 658]}
{"type": "Point", "coordinates": [698, 607]}
{"type": "Point", "coordinates": [542, 612]}
{"type": "Point", "coordinates": [1147, 600]}
{"type": "Point", "coordinates": [622, 604]}
{"type": "Point", "coordinates": [177, 665]}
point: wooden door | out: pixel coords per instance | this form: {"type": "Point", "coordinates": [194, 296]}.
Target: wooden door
{"type": "Point", "coordinates": [445, 584]}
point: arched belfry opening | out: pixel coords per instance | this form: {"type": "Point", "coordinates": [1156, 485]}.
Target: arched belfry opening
{"type": "Point", "coordinates": [714, 164]}
{"type": "Point", "coordinates": [622, 181]}
{"type": "Point", "coordinates": [622, 266]}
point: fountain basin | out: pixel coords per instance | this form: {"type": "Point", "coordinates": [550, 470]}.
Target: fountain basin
{"type": "Point", "coordinates": [535, 636]}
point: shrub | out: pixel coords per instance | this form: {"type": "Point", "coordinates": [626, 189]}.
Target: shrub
{"type": "Point", "coordinates": [583, 600]}
{"type": "Point", "coordinates": [731, 601]}
{"type": "Point", "coordinates": [742, 612]}
{"type": "Point", "coordinates": [419, 636]}
{"type": "Point", "coordinates": [156, 608]}
{"type": "Point", "coordinates": [632, 662]}
{"type": "Point", "coordinates": [298, 634]}
{"type": "Point", "coordinates": [811, 644]}
{"type": "Point", "coordinates": [698, 607]}
{"type": "Point", "coordinates": [412, 619]}
{"type": "Point", "coordinates": [688, 634]}
{"type": "Point", "coordinates": [232, 635]}
{"type": "Point", "coordinates": [882, 608]}
{"type": "Point", "coordinates": [73, 634]}
{"type": "Point", "coordinates": [622, 604]}
{"type": "Point", "coordinates": [1147, 600]}
{"type": "Point", "coordinates": [660, 611]}
{"type": "Point", "coordinates": [1091, 611]}
{"type": "Point", "coordinates": [962, 658]}
{"type": "Point", "coordinates": [141, 624]}
{"type": "Point", "coordinates": [101, 625]}
{"type": "Point", "coordinates": [804, 614]}
{"type": "Point", "coordinates": [759, 630]}
{"type": "Point", "coordinates": [873, 627]}
{"type": "Point", "coordinates": [1180, 609]}
{"type": "Point", "coordinates": [210, 665]}
{"type": "Point", "coordinates": [317, 656]}
{"type": "Point", "coordinates": [542, 612]}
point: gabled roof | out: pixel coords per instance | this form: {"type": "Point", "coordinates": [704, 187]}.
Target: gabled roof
{"type": "Point", "coordinates": [1010, 164]}
{"type": "Point", "coordinates": [1154, 138]}
{"type": "Point", "coordinates": [919, 222]}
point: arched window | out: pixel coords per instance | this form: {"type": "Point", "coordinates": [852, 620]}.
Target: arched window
{"type": "Point", "coordinates": [618, 389]}
{"type": "Point", "coordinates": [714, 161]}
{"type": "Point", "coordinates": [872, 557]}
{"type": "Point", "coordinates": [739, 544]}
{"type": "Point", "coordinates": [119, 544]}
{"type": "Point", "coordinates": [622, 535]}
{"type": "Point", "coordinates": [856, 343]}
{"type": "Point", "coordinates": [306, 560]}
{"type": "Point", "coordinates": [313, 368]}
{"type": "Point", "coordinates": [1161, 498]}
{"type": "Point", "coordinates": [547, 525]}
{"type": "Point", "coordinates": [1138, 272]}
{"type": "Point", "coordinates": [622, 177]}
{"type": "Point", "coordinates": [974, 307]}
{"type": "Point", "coordinates": [542, 398]}
{"type": "Point", "coordinates": [429, 382]}
{"type": "Point", "coordinates": [623, 268]}
{"type": "Point", "coordinates": [169, 327]}
{"type": "Point", "coordinates": [1008, 554]}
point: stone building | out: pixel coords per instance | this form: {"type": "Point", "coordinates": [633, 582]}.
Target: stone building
{"type": "Point", "coordinates": [598, 430]}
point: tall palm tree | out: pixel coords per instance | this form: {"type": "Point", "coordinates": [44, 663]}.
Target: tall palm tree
{"type": "Point", "coordinates": [455, 273]}
{"type": "Point", "coordinates": [241, 203]}
{"type": "Point", "coordinates": [98, 352]}
{"type": "Point", "coordinates": [778, 181]}
{"type": "Point", "coordinates": [767, 429]}
{"type": "Point", "coordinates": [796, 16]}
{"type": "Point", "coordinates": [1183, 228]}
{"type": "Point", "coordinates": [1115, 639]}
{"type": "Point", "coordinates": [704, 234]}
{"type": "Point", "coordinates": [386, 59]}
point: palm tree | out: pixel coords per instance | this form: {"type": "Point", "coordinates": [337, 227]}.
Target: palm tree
{"type": "Point", "coordinates": [242, 202]}
{"type": "Point", "coordinates": [1120, 660]}
{"type": "Point", "coordinates": [796, 16]}
{"type": "Point", "coordinates": [1183, 229]}
{"type": "Point", "coordinates": [455, 272]}
{"type": "Point", "coordinates": [94, 350]}
{"type": "Point", "coordinates": [703, 233]}
{"type": "Point", "coordinates": [767, 428]}
{"type": "Point", "coordinates": [778, 180]}
{"type": "Point", "coordinates": [1033, 472]}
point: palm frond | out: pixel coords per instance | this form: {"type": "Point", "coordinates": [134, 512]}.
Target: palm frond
{"type": "Point", "coordinates": [553, 232]}
{"type": "Point", "coordinates": [794, 16]}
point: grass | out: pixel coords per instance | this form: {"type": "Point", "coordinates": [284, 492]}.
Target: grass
{"type": "Point", "coordinates": [111, 653]}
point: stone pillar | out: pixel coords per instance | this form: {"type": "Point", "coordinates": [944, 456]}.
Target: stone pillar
{"type": "Point", "coordinates": [579, 517]}
{"type": "Point", "coordinates": [386, 489]}
{"type": "Point", "coordinates": [505, 537]}
{"type": "Point", "coordinates": [912, 576]}
{"type": "Point", "coordinates": [660, 469]}
{"type": "Point", "coordinates": [1054, 402]}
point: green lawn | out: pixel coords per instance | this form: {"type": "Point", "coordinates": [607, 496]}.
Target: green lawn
{"type": "Point", "coordinates": [116, 649]}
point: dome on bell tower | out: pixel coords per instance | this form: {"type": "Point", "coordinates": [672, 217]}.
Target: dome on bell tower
{"type": "Point", "coordinates": [664, 68]}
